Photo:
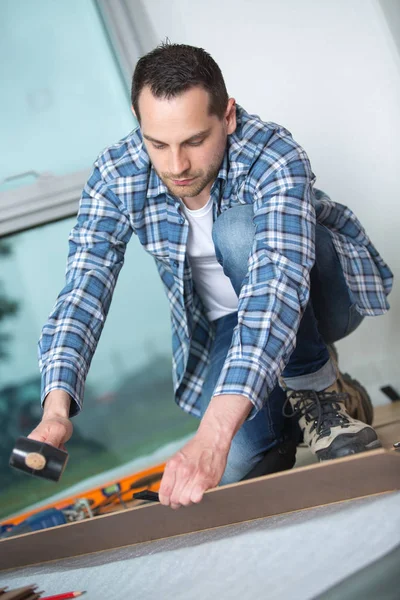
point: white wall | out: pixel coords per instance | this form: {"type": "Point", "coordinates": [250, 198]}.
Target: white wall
{"type": "Point", "coordinates": [330, 72]}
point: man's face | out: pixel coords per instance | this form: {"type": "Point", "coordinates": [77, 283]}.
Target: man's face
{"type": "Point", "coordinates": [186, 145]}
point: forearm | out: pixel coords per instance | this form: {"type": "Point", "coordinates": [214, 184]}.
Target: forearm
{"type": "Point", "coordinates": [70, 336]}
{"type": "Point", "coordinates": [57, 404]}
{"type": "Point", "coordinates": [224, 416]}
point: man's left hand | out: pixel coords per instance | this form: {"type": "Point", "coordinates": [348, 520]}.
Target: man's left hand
{"type": "Point", "coordinates": [200, 464]}
{"type": "Point", "coordinates": [197, 467]}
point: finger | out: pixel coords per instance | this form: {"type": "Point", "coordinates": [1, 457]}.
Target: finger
{"type": "Point", "coordinates": [167, 485]}
{"type": "Point", "coordinates": [47, 438]}
{"type": "Point", "coordinates": [205, 481]}
{"type": "Point", "coordinates": [187, 492]}
{"type": "Point", "coordinates": [52, 432]}
{"type": "Point", "coordinates": [201, 485]}
{"type": "Point", "coordinates": [186, 501]}
{"type": "Point", "coordinates": [185, 497]}
{"type": "Point", "coordinates": [35, 435]}
{"type": "Point", "coordinates": [183, 484]}
{"type": "Point", "coordinates": [198, 493]}
{"type": "Point", "coordinates": [202, 480]}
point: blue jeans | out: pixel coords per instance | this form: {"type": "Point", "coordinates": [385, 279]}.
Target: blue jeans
{"type": "Point", "coordinates": [329, 316]}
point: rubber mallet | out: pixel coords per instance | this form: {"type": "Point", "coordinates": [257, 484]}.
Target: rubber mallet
{"type": "Point", "coordinates": [39, 459]}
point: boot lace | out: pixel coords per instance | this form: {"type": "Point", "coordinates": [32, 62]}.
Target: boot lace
{"type": "Point", "coordinates": [321, 407]}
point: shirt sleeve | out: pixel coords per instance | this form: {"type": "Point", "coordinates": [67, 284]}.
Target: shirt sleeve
{"type": "Point", "coordinates": [276, 289]}
{"type": "Point", "coordinates": [97, 246]}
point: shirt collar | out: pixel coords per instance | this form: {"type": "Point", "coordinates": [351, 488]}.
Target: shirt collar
{"type": "Point", "coordinates": [155, 187]}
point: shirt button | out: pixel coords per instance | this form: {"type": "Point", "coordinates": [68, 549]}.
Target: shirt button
{"type": "Point", "coordinates": [176, 263]}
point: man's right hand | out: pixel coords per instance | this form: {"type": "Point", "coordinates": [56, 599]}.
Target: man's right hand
{"type": "Point", "coordinates": [55, 428]}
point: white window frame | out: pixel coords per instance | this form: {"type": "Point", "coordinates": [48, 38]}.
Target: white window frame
{"type": "Point", "coordinates": [48, 199]}
{"type": "Point", "coordinates": [51, 197]}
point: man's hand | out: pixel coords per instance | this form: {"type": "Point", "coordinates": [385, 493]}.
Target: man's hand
{"type": "Point", "coordinates": [196, 468]}
{"type": "Point", "coordinates": [200, 464]}
{"type": "Point", "coordinates": [55, 428]}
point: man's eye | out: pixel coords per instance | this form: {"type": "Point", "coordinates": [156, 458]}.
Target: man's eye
{"type": "Point", "coordinates": [159, 146]}
{"type": "Point", "coordinates": [195, 143]}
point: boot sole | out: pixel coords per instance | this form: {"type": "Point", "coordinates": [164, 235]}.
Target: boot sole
{"type": "Point", "coordinates": [346, 445]}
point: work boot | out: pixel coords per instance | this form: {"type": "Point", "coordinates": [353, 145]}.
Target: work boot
{"type": "Point", "coordinates": [328, 429]}
{"type": "Point", "coordinates": [358, 403]}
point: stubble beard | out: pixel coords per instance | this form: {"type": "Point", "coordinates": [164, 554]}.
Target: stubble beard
{"type": "Point", "coordinates": [201, 181]}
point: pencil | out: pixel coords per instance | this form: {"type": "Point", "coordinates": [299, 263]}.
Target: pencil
{"type": "Point", "coordinates": [63, 596]}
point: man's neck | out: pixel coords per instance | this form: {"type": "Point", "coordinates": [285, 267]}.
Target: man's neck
{"type": "Point", "coordinates": [197, 202]}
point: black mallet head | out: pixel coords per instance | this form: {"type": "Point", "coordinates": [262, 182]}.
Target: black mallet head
{"type": "Point", "coordinates": [38, 458]}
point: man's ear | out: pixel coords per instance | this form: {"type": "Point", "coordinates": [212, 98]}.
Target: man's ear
{"type": "Point", "coordinates": [230, 115]}
{"type": "Point", "coordinates": [135, 115]}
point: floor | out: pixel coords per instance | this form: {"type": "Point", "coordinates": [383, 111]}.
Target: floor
{"type": "Point", "coordinates": [294, 556]}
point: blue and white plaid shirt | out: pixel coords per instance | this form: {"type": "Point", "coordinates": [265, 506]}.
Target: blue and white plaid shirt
{"type": "Point", "coordinates": [262, 166]}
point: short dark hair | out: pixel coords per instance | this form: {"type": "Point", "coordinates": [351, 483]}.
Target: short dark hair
{"type": "Point", "coordinates": [171, 69]}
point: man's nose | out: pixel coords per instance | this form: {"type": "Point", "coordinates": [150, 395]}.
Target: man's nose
{"type": "Point", "coordinates": [179, 163]}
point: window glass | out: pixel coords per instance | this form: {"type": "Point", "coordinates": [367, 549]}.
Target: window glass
{"type": "Point", "coordinates": [63, 100]}
{"type": "Point", "coordinates": [62, 96]}
{"type": "Point", "coordinates": [129, 410]}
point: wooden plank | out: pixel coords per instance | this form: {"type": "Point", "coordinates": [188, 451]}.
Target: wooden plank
{"type": "Point", "coordinates": [389, 434]}
{"type": "Point", "coordinates": [306, 487]}
{"type": "Point", "coordinates": [386, 414]}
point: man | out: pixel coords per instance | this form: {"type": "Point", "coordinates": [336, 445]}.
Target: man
{"type": "Point", "coordinates": [225, 204]}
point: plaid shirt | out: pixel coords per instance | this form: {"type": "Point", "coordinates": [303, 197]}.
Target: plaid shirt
{"type": "Point", "coordinates": [262, 166]}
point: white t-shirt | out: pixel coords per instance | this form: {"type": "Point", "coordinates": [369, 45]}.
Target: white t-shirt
{"type": "Point", "coordinates": [212, 285]}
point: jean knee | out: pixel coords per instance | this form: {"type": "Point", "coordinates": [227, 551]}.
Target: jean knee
{"type": "Point", "coordinates": [238, 466]}
{"type": "Point", "coordinates": [233, 236]}
{"type": "Point", "coordinates": [253, 440]}
{"type": "Point", "coordinates": [233, 231]}
{"type": "Point", "coordinates": [334, 331]}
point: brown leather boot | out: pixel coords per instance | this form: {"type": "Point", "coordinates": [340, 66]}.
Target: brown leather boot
{"type": "Point", "coordinates": [358, 403]}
